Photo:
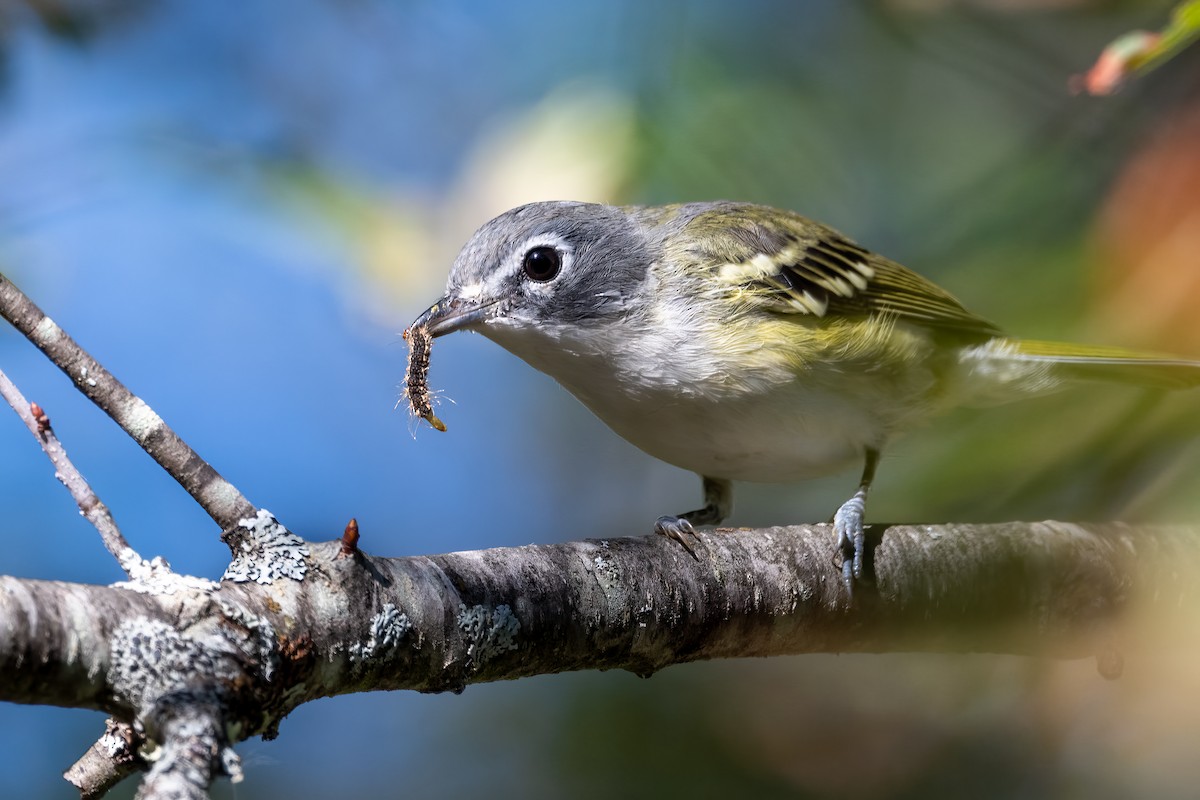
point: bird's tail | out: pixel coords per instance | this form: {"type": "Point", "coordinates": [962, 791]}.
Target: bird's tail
{"type": "Point", "coordinates": [1002, 370]}
{"type": "Point", "coordinates": [1085, 362]}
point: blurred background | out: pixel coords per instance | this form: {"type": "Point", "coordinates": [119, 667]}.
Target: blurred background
{"type": "Point", "coordinates": [238, 207]}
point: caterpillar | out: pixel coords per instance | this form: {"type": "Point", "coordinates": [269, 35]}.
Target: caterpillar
{"type": "Point", "coordinates": [416, 376]}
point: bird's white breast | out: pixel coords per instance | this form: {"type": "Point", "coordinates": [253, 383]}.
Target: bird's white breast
{"type": "Point", "coordinates": [707, 399]}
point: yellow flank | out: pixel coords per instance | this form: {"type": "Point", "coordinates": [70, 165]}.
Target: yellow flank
{"type": "Point", "coordinates": [801, 344]}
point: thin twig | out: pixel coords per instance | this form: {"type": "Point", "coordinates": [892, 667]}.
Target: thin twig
{"type": "Point", "coordinates": [219, 498]}
{"type": "Point", "coordinates": [109, 760]}
{"type": "Point", "coordinates": [92, 508]}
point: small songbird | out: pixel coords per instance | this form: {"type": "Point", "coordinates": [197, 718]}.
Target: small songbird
{"type": "Point", "coordinates": [747, 343]}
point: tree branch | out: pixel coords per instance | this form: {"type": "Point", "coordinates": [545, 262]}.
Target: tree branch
{"type": "Point", "coordinates": [440, 623]}
{"type": "Point", "coordinates": [1049, 589]}
{"type": "Point", "coordinates": [109, 760]}
{"type": "Point", "coordinates": [201, 660]}
{"type": "Point", "coordinates": [224, 503]}
{"type": "Point", "coordinates": [90, 505]}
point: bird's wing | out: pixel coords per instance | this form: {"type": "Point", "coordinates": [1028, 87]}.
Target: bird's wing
{"type": "Point", "coordinates": [787, 263]}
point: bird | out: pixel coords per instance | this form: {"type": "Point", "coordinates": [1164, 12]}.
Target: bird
{"type": "Point", "coordinates": [748, 343]}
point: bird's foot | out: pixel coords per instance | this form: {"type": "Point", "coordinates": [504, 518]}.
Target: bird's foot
{"type": "Point", "coordinates": [718, 502]}
{"type": "Point", "coordinates": [677, 529]}
{"type": "Point", "coordinates": [848, 525]}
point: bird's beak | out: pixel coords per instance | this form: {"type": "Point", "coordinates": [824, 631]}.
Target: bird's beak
{"type": "Point", "coordinates": [452, 313]}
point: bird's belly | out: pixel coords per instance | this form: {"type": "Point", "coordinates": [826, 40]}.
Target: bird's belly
{"type": "Point", "coordinates": [790, 434]}
{"type": "Point", "coordinates": [775, 423]}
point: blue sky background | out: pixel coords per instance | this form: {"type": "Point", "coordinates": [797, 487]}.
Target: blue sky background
{"type": "Point", "coordinates": [200, 194]}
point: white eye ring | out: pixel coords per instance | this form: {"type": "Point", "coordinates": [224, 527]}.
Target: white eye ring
{"type": "Point", "coordinates": [557, 256]}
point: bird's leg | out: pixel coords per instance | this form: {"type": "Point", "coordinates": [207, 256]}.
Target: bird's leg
{"type": "Point", "coordinates": [718, 502]}
{"type": "Point", "coordinates": [848, 524]}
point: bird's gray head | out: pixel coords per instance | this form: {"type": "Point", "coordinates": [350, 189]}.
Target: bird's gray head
{"type": "Point", "coordinates": [543, 266]}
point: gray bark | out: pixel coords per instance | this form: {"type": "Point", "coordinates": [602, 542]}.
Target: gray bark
{"type": "Point", "coordinates": [440, 623]}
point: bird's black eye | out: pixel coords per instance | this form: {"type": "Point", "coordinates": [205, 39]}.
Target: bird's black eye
{"type": "Point", "coordinates": [542, 263]}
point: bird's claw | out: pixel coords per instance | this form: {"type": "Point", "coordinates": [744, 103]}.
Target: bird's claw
{"type": "Point", "coordinates": [677, 529]}
{"type": "Point", "coordinates": [851, 539]}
